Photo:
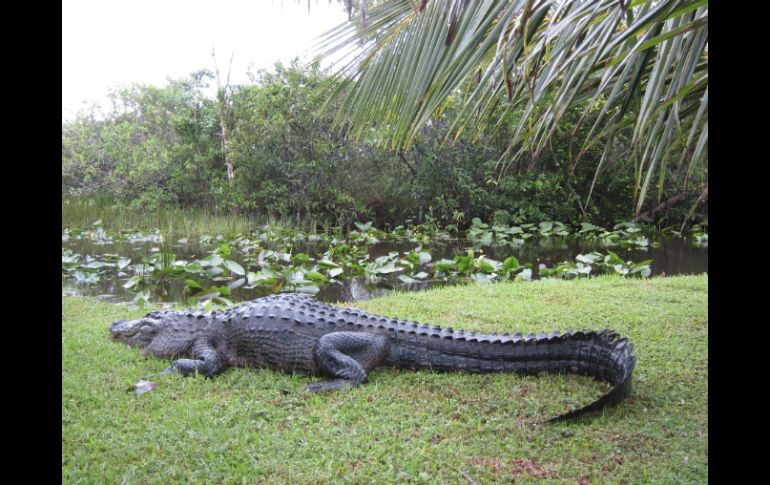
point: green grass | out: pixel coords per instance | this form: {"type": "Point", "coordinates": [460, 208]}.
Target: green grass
{"type": "Point", "coordinates": [83, 212]}
{"type": "Point", "coordinates": [256, 426]}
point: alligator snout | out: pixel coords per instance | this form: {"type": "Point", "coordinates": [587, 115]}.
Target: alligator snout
{"type": "Point", "coordinates": [139, 332]}
{"type": "Point", "coordinates": [119, 327]}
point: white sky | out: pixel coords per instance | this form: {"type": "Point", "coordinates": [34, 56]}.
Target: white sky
{"type": "Point", "coordinates": [106, 43]}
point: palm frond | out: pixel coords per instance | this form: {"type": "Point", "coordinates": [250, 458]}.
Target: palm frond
{"type": "Point", "coordinates": [531, 62]}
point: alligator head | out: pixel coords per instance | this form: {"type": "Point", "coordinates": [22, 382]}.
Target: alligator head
{"type": "Point", "coordinates": [137, 333]}
{"type": "Point", "coordinates": [158, 333]}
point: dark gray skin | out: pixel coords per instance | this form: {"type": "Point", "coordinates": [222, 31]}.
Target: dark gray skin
{"type": "Point", "coordinates": [295, 333]}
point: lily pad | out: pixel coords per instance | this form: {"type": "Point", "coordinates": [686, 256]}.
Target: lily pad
{"type": "Point", "coordinates": [234, 267]}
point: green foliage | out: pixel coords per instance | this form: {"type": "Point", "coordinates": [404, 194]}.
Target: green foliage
{"type": "Point", "coordinates": [157, 146]}
{"type": "Point", "coordinates": [117, 215]}
{"type": "Point", "coordinates": [288, 163]}
{"type": "Point", "coordinates": [635, 72]}
{"type": "Point", "coordinates": [160, 148]}
{"type": "Point", "coordinates": [273, 259]}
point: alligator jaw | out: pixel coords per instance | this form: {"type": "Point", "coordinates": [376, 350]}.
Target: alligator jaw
{"type": "Point", "coordinates": [124, 328]}
{"type": "Point", "coordinates": [134, 332]}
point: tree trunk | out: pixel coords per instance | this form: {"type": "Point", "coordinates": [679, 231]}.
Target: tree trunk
{"type": "Point", "coordinates": [222, 101]}
{"type": "Point", "coordinates": [225, 148]}
{"type": "Point", "coordinates": [663, 205]}
{"type": "Point", "coordinates": [704, 195]}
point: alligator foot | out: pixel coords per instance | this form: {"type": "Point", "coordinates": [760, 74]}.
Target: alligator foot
{"type": "Point", "coordinates": [348, 356]}
{"type": "Point", "coordinates": [186, 367]}
{"type": "Point", "coordinates": [207, 362]}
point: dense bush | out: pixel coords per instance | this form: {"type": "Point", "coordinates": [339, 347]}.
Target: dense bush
{"type": "Point", "coordinates": [162, 146]}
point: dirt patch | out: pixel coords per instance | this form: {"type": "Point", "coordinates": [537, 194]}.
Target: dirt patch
{"type": "Point", "coordinates": [636, 442]}
{"type": "Point", "coordinates": [516, 468]}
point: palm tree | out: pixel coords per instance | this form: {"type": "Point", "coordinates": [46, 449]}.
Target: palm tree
{"type": "Point", "coordinates": [638, 67]}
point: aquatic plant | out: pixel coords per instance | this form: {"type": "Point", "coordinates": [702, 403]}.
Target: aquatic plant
{"type": "Point", "coordinates": [274, 259]}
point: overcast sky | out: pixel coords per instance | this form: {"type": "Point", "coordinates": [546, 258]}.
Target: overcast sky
{"type": "Point", "coordinates": [106, 43]}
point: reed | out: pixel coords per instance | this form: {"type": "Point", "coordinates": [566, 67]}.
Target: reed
{"type": "Point", "coordinates": [84, 212]}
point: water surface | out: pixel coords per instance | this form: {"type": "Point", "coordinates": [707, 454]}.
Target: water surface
{"type": "Point", "coordinates": [674, 256]}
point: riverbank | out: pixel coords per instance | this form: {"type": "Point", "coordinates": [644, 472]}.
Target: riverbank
{"type": "Point", "coordinates": [259, 425]}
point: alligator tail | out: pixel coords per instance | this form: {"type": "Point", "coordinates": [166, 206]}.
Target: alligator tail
{"type": "Point", "coordinates": [615, 364]}
{"type": "Point", "coordinates": [602, 355]}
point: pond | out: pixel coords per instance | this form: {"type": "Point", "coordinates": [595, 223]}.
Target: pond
{"type": "Point", "coordinates": [378, 267]}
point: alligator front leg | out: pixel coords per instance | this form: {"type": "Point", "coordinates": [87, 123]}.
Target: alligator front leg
{"type": "Point", "coordinates": [207, 361]}
{"type": "Point", "coordinates": [348, 356]}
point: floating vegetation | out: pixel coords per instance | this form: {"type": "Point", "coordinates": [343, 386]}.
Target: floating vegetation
{"type": "Point", "coordinates": [698, 232]}
{"type": "Point", "coordinates": [585, 264]}
{"type": "Point", "coordinates": [212, 279]}
{"type": "Point", "coordinates": [625, 235]}
{"type": "Point", "coordinates": [100, 236]}
{"type": "Point", "coordinates": [276, 259]}
{"type": "Point", "coordinates": [700, 237]}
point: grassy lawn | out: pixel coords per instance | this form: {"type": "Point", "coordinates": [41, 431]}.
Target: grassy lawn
{"type": "Point", "coordinates": [255, 426]}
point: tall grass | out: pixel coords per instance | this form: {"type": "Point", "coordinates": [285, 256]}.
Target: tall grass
{"type": "Point", "coordinates": [83, 212]}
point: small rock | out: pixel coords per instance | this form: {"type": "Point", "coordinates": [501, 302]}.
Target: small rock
{"type": "Point", "coordinates": [144, 386]}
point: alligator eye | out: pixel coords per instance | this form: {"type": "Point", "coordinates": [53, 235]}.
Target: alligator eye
{"type": "Point", "coordinates": [147, 328]}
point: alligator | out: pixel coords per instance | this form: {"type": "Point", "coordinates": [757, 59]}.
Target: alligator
{"type": "Point", "coordinates": [295, 333]}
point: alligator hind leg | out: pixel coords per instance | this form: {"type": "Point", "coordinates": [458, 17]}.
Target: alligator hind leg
{"type": "Point", "coordinates": [348, 356]}
{"type": "Point", "coordinates": [207, 362]}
